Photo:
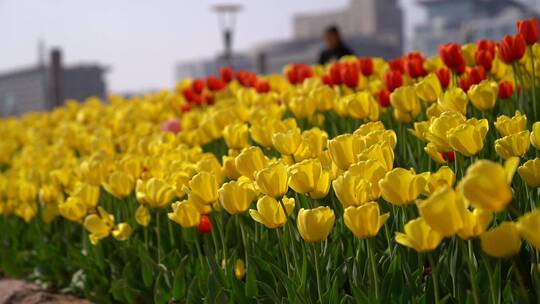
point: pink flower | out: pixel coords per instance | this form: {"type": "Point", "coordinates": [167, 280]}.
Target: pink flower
{"type": "Point", "coordinates": [171, 125]}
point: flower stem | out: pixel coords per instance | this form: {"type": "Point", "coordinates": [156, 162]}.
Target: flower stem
{"type": "Point", "coordinates": [158, 235]}
{"type": "Point", "coordinates": [316, 260]}
{"type": "Point", "coordinates": [434, 277]}
{"type": "Point", "coordinates": [469, 256]}
{"type": "Point", "coordinates": [375, 274]}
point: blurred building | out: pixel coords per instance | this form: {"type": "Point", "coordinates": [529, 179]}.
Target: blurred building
{"type": "Point", "coordinates": [467, 20]}
{"type": "Point", "coordinates": [44, 87]}
{"type": "Point", "coordinates": [369, 28]}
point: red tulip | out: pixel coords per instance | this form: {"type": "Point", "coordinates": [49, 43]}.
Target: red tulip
{"type": "Point", "coordinates": [484, 58]}
{"type": "Point", "coordinates": [335, 73]}
{"type": "Point", "coordinates": [246, 78]}
{"type": "Point", "coordinates": [393, 80]}
{"type": "Point", "coordinates": [226, 73]}
{"type": "Point", "coordinates": [414, 65]}
{"type": "Point", "coordinates": [350, 75]}
{"type": "Point", "coordinates": [215, 84]}
{"type": "Point", "coordinates": [209, 99]}
{"type": "Point", "coordinates": [512, 48]}
{"type": "Point", "coordinates": [444, 77]}
{"type": "Point", "coordinates": [198, 86]}
{"type": "Point", "coordinates": [297, 73]}
{"type": "Point", "coordinates": [383, 98]}
{"type": "Point", "coordinates": [506, 89]}
{"type": "Point", "coordinates": [465, 82]}
{"type": "Point", "coordinates": [477, 74]}
{"type": "Point", "coordinates": [262, 86]}
{"type": "Point", "coordinates": [205, 225]}
{"type": "Point", "coordinates": [327, 80]}
{"type": "Point", "coordinates": [185, 108]}
{"type": "Point", "coordinates": [190, 95]}
{"type": "Point", "coordinates": [452, 57]}
{"type": "Point", "coordinates": [397, 65]}
{"type": "Point", "coordinates": [529, 30]}
{"type": "Point", "coordinates": [366, 66]}
{"type": "Point", "coordinates": [486, 45]}
{"type": "Point", "coordinates": [449, 156]}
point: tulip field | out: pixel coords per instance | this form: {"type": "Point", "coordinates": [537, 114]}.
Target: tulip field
{"type": "Point", "coordinates": [412, 180]}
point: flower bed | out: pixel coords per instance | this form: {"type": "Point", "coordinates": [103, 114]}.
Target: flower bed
{"type": "Point", "coordinates": [359, 181]}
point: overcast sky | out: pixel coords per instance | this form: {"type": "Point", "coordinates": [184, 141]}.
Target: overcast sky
{"type": "Point", "coordinates": [141, 40]}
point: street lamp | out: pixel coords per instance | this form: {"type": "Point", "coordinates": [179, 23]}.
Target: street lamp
{"type": "Point", "coordinates": [226, 15]}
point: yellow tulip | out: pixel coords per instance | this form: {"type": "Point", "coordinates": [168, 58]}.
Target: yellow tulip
{"type": "Point", "coordinates": [314, 225]}
{"type": "Point", "coordinates": [273, 180]}
{"type": "Point", "coordinates": [251, 160]}
{"type": "Point", "coordinates": [119, 184]}
{"type": "Point", "coordinates": [454, 99]}
{"type": "Point", "coordinates": [420, 130]}
{"type": "Point", "coordinates": [381, 152]}
{"type": "Point", "coordinates": [405, 103]}
{"type": "Point", "coordinates": [419, 236]}
{"type": "Point", "coordinates": [429, 88]}
{"type": "Point", "coordinates": [154, 192]}
{"type": "Point", "coordinates": [236, 197]}
{"type": "Point", "coordinates": [239, 269]}
{"type": "Point", "coordinates": [122, 232]}
{"type": "Point", "coordinates": [530, 172]}
{"type": "Point", "coordinates": [94, 171]}
{"type": "Point", "coordinates": [142, 216]}
{"type": "Point", "coordinates": [185, 214]}
{"type": "Point", "coordinates": [401, 186]}
{"type": "Point", "coordinates": [362, 105]}
{"type": "Point", "coordinates": [376, 137]}
{"type": "Point", "coordinates": [263, 131]}
{"type": "Point", "coordinates": [468, 138]}
{"type": "Point", "coordinates": [516, 144]}
{"type": "Point", "coordinates": [487, 184]}
{"type": "Point", "coordinates": [131, 165]}
{"type": "Point", "coordinates": [365, 221]}
{"type": "Point", "coordinates": [73, 209]}
{"type": "Point", "coordinates": [343, 149]}
{"type": "Point", "coordinates": [270, 212]}
{"type": "Point", "coordinates": [313, 142]}
{"type": "Point", "coordinates": [444, 210]}
{"type": "Point", "coordinates": [203, 189]}
{"type": "Point", "coordinates": [360, 184]}
{"type": "Point", "coordinates": [475, 223]}
{"type": "Point", "coordinates": [229, 167]}
{"type": "Point", "coordinates": [302, 107]}
{"type": "Point", "coordinates": [50, 195]}
{"type": "Point", "coordinates": [484, 95]}
{"type": "Point", "coordinates": [502, 241]}
{"type": "Point", "coordinates": [369, 127]}
{"type": "Point", "coordinates": [236, 136]}
{"type": "Point", "coordinates": [324, 97]}
{"type": "Point", "coordinates": [528, 226]}
{"type": "Point", "coordinates": [308, 177]}
{"type": "Point", "coordinates": [468, 50]}
{"type": "Point", "coordinates": [99, 225]}
{"type": "Point", "coordinates": [443, 177]}
{"type": "Point", "coordinates": [508, 126]}
{"type": "Point", "coordinates": [437, 134]}
{"type": "Point", "coordinates": [535, 135]}
{"type": "Point", "coordinates": [287, 142]}
{"type": "Point", "coordinates": [437, 156]}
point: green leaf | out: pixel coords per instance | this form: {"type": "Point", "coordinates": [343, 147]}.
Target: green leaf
{"type": "Point", "coordinates": [251, 283]}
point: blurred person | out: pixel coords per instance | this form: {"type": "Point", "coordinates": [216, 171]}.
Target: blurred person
{"type": "Point", "coordinates": [335, 47]}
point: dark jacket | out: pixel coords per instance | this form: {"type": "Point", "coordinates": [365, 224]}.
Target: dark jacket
{"type": "Point", "coordinates": [329, 55]}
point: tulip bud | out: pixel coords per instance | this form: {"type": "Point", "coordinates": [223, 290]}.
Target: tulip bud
{"type": "Point", "coordinates": [314, 225]}
{"type": "Point", "coordinates": [250, 161]}
{"type": "Point", "coordinates": [535, 135]}
{"type": "Point", "coordinates": [530, 172]}
{"type": "Point", "coordinates": [528, 226]}
{"type": "Point", "coordinates": [429, 88]}
{"type": "Point", "coordinates": [273, 180]}
{"type": "Point", "coordinates": [529, 30]}
{"type": "Point", "coordinates": [270, 212]}
{"type": "Point", "coordinates": [419, 236]}
{"type": "Point", "coordinates": [444, 210]}
{"type": "Point", "coordinates": [468, 138]}
{"type": "Point", "coordinates": [365, 221]}
{"type": "Point", "coordinates": [236, 197]}
{"type": "Point", "coordinates": [513, 145]}
{"type": "Point", "coordinates": [502, 241]}
{"type": "Point", "coordinates": [236, 136]}
{"type": "Point", "coordinates": [205, 225]}
{"type": "Point", "coordinates": [484, 95]}
{"type": "Point", "coordinates": [512, 48]}
{"type": "Point", "coordinates": [401, 186]}
{"type": "Point", "coordinates": [487, 184]}
{"type": "Point", "coordinates": [122, 232]}
{"type": "Point", "coordinates": [185, 214]}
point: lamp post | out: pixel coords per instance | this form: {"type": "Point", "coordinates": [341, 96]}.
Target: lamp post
{"type": "Point", "coordinates": [226, 18]}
